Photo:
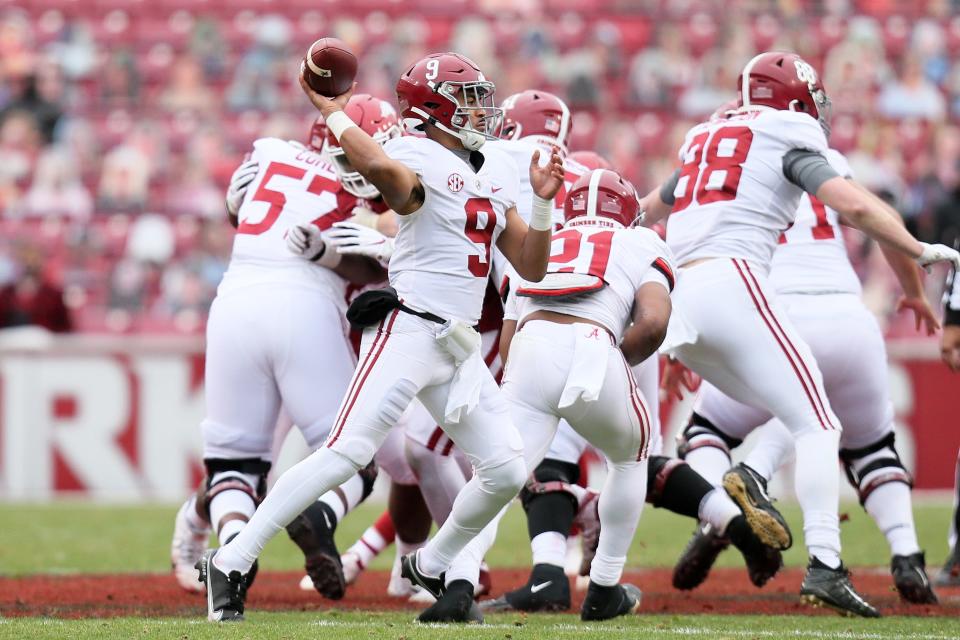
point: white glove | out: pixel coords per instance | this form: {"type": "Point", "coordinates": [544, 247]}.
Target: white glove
{"type": "Point", "coordinates": [933, 253]}
{"type": "Point", "coordinates": [356, 239]}
{"type": "Point", "coordinates": [239, 182]}
{"type": "Point", "coordinates": [306, 241]}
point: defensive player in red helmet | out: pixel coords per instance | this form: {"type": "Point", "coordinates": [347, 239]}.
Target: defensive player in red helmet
{"type": "Point", "coordinates": [738, 188]}
{"type": "Point", "coordinates": [454, 202]}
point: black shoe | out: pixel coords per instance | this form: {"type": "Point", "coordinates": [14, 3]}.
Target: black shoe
{"type": "Point", "coordinates": [312, 531]}
{"type": "Point", "coordinates": [698, 557]}
{"type": "Point", "coordinates": [455, 605]}
{"type": "Point", "coordinates": [548, 589]}
{"type": "Point", "coordinates": [603, 603]}
{"type": "Point", "coordinates": [910, 578]}
{"type": "Point", "coordinates": [763, 561]}
{"type": "Point", "coordinates": [225, 593]}
{"type": "Point", "coordinates": [949, 575]}
{"type": "Point", "coordinates": [249, 577]}
{"type": "Point", "coordinates": [409, 570]}
{"type": "Point", "coordinates": [831, 587]}
{"type": "Point", "coordinates": [749, 491]}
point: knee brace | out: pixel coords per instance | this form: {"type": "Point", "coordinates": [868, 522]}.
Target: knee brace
{"type": "Point", "coordinates": [674, 485]}
{"type": "Point", "coordinates": [659, 470]}
{"type": "Point", "coordinates": [700, 432]}
{"type": "Point", "coordinates": [369, 477]}
{"type": "Point", "coordinates": [229, 475]}
{"type": "Point", "coordinates": [869, 467]}
{"type": "Point", "coordinates": [551, 476]}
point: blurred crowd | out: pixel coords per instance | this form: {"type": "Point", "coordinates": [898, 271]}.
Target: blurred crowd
{"type": "Point", "coordinates": [122, 120]}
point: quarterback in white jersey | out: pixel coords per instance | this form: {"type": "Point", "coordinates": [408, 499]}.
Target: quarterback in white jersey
{"type": "Point", "coordinates": [737, 190]}
{"type": "Point", "coordinates": [820, 293]}
{"type": "Point", "coordinates": [276, 323]}
{"type": "Point", "coordinates": [455, 201]}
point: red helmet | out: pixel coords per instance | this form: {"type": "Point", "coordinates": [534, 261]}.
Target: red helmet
{"type": "Point", "coordinates": [782, 80]}
{"type": "Point", "coordinates": [536, 114]}
{"type": "Point", "coordinates": [378, 119]}
{"type": "Point", "coordinates": [601, 194]}
{"type": "Point", "coordinates": [590, 159]}
{"type": "Point", "coordinates": [318, 135]}
{"type": "Point", "coordinates": [445, 90]}
{"type": "Point", "coordinates": [723, 111]}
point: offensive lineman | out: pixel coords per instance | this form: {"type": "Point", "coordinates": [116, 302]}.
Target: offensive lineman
{"type": "Point", "coordinates": [738, 188]}
{"type": "Point", "coordinates": [454, 202]}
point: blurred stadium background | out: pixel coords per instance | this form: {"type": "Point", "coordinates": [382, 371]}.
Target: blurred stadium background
{"type": "Point", "coordinates": [122, 120]}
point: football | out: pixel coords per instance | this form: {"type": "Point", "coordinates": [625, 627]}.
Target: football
{"type": "Point", "coordinates": [329, 67]}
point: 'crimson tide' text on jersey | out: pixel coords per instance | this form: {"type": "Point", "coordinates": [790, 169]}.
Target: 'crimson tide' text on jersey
{"type": "Point", "coordinates": [294, 186]}
{"type": "Point", "coordinates": [812, 257]}
{"type": "Point", "coordinates": [442, 252]}
{"type": "Point", "coordinates": [732, 198]}
{"type": "Point", "coordinates": [623, 258]}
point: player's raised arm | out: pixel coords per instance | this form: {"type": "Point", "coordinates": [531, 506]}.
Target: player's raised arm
{"type": "Point", "coordinates": [398, 184]}
{"type": "Point", "coordinates": [657, 204]}
{"type": "Point", "coordinates": [528, 247]}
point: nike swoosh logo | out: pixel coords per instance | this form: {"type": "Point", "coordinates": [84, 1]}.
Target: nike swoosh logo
{"type": "Point", "coordinates": [540, 587]}
{"type": "Point", "coordinates": [494, 190]}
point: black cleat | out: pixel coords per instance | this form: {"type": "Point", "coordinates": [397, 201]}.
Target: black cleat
{"type": "Point", "coordinates": [225, 593]}
{"type": "Point", "coordinates": [312, 531]}
{"type": "Point", "coordinates": [698, 557]}
{"type": "Point", "coordinates": [548, 589]}
{"type": "Point", "coordinates": [249, 577]}
{"type": "Point", "coordinates": [949, 575]}
{"type": "Point", "coordinates": [749, 491]}
{"type": "Point", "coordinates": [763, 561]}
{"type": "Point", "coordinates": [455, 605]}
{"type": "Point", "coordinates": [910, 578]}
{"type": "Point", "coordinates": [604, 603]}
{"type": "Point", "coordinates": [823, 586]}
{"type": "Point", "coordinates": [409, 570]}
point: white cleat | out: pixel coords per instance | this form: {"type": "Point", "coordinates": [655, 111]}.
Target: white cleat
{"type": "Point", "coordinates": [399, 587]}
{"type": "Point", "coordinates": [352, 567]}
{"type": "Point", "coordinates": [186, 549]}
{"type": "Point", "coordinates": [306, 584]}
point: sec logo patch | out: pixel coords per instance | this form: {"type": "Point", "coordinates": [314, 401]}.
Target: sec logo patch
{"type": "Point", "coordinates": [455, 182]}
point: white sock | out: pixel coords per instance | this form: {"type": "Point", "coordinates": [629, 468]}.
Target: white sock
{"type": "Point", "coordinates": [292, 493]}
{"type": "Point", "coordinates": [621, 502]}
{"type": "Point", "coordinates": [196, 523]}
{"type": "Point", "coordinates": [490, 489]}
{"type": "Point", "coordinates": [818, 492]}
{"type": "Point", "coordinates": [890, 507]}
{"type": "Point", "coordinates": [466, 566]}
{"type": "Point", "coordinates": [771, 450]}
{"type": "Point", "coordinates": [344, 498]}
{"type": "Point", "coordinates": [231, 509]}
{"type": "Point", "coordinates": [717, 509]}
{"type": "Point", "coordinates": [549, 547]}
{"type": "Point", "coordinates": [709, 462]}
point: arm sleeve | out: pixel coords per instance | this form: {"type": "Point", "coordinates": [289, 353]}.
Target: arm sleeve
{"type": "Point", "coordinates": [668, 187]}
{"type": "Point", "coordinates": [807, 169]}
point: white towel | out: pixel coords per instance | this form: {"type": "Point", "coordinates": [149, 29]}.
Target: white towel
{"type": "Point", "coordinates": [679, 333]}
{"type": "Point", "coordinates": [464, 393]}
{"type": "Point", "coordinates": [589, 367]}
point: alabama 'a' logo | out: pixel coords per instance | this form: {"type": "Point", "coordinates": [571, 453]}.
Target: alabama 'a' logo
{"type": "Point", "coordinates": [455, 182]}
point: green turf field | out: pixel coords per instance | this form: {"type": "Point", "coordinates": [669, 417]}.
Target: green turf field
{"type": "Point", "coordinates": [82, 538]}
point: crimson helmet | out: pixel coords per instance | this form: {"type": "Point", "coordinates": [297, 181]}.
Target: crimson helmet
{"type": "Point", "coordinates": [723, 111]}
{"type": "Point", "coordinates": [378, 119]}
{"type": "Point", "coordinates": [591, 160]}
{"type": "Point", "coordinates": [318, 135]}
{"type": "Point", "coordinates": [538, 115]}
{"type": "Point", "coordinates": [445, 89]}
{"type": "Point", "coordinates": [785, 81]}
{"type": "Point", "coordinates": [601, 194]}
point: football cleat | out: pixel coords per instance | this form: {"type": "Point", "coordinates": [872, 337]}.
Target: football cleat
{"type": "Point", "coordinates": [409, 570]}
{"type": "Point", "coordinates": [548, 589]}
{"type": "Point", "coordinates": [225, 593]}
{"type": "Point", "coordinates": [604, 603]}
{"type": "Point", "coordinates": [398, 587]}
{"type": "Point", "coordinates": [455, 605]}
{"type": "Point", "coordinates": [186, 549]}
{"type": "Point", "coordinates": [823, 586]}
{"type": "Point", "coordinates": [698, 557]}
{"type": "Point", "coordinates": [312, 531]}
{"type": "Point", "coordinates": [588, 521]}
{"type": "Point", "coordinates": [910, 578]}
{"type": "Point", "coordinates": [749, 491]}
{"type": "Point", "coordinates": [763, 561]}
{"type": "Point", "coordinates": [949, 575]}
{"type": "Point", "coordinates": [352, 567]}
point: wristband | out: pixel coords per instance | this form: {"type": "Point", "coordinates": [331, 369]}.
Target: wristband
{"type": "Point", "coordinates": [541, 215]}
{"type": "Point", "coordinates": [327, 257]}
{"type": "Point", "coordinates": [338, 122]}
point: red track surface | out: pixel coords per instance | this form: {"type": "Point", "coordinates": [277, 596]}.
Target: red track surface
{"type": "Point", "coordinates": [726, 592]}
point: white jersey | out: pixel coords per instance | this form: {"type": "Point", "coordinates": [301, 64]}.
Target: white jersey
{"type": "Point", "coordinates": [812, 257]}
{"type": "Point", "coordinates": [294, 186]}
{"type": "Point", "coordinates": [442, 252]}
{"type": "Point", "coordinates": [732, 198]}
{"type": "Point", "coordinates": [623, 258]}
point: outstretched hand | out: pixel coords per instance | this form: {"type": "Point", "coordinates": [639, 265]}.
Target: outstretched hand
{"type": "Point", "coordinates": [323, 103]}
{"type": "Point", "coordinates": [546, 180]}
{"type": "Point", "coordinates": [922, 312]}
